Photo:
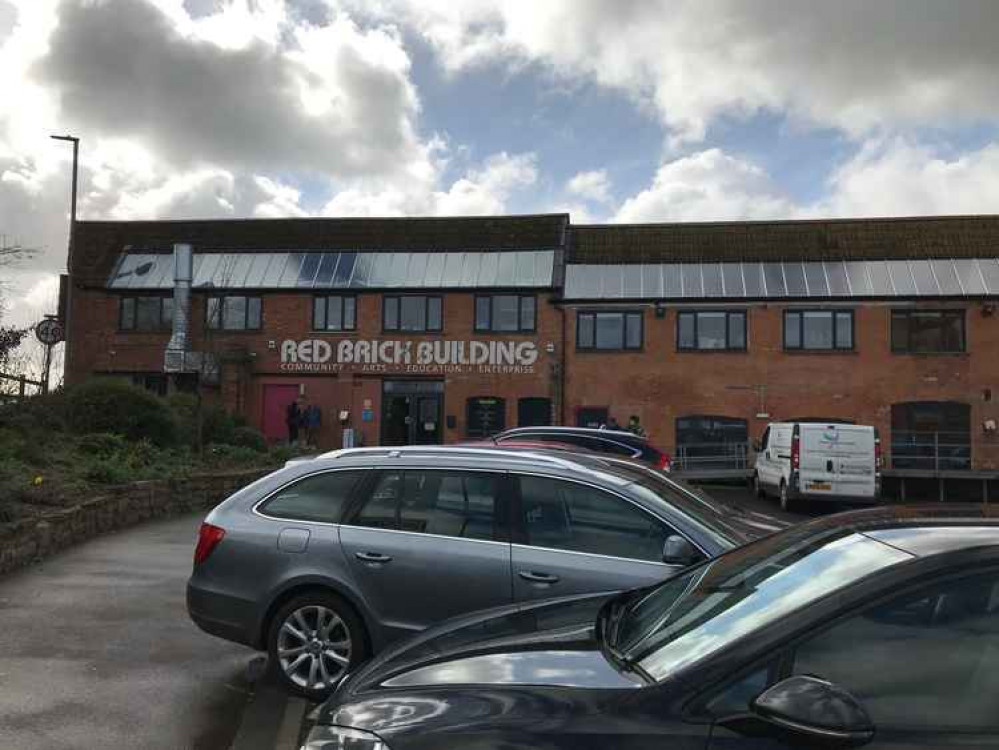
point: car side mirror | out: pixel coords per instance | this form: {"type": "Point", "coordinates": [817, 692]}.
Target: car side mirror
{"type": "Point", "coordinates": [813, 711]}
{"type": "Point", "coordinates": [678, 551]}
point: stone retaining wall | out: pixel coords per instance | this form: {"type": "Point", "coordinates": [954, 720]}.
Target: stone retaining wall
{"type": "Point", "coordinates": [28, 540]}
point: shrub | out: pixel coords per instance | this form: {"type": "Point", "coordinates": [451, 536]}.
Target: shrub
{"type": "Point", "coordinates": [249, 437]}
{"type": "Point", "coordinates": [184, 409]}
{"type": "Point", "coordinates": [109, 471]}
{"type": "Point", "coordinates": [101, 444]}
{"type": "Point", "coordinates": [217, 424]}
{"type": "Point", "coordinates": [110, 405]}
{"type": "Point", "coordinates": [222, 454]}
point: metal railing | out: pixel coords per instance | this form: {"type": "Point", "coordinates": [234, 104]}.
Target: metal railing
{"type": "Point", "coordinates": [930, 451]}
{"type": "Point", "coordinates": [711, 456]}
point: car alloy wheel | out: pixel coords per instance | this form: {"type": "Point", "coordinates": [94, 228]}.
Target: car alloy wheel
{"type": "Point", "coordinates": [314, 647]}
{"type": "Point", "coordinates": [758, 487]}
{"type": "Point", "coordinates": [785, 500]}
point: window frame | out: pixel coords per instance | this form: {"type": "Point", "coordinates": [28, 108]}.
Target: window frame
{"type": "Point", "coordinates": [474, 400]}
{"type": "Point", "coordinates": [397, 300]}
{"type": "Point", "coordinates": [728, 331]}
{"type": "Point", "coordinates": [518, 525]}
{"type": "Point", "coordinates": [221, 327]}
{"type": "Point", "coordinates": [163, 325]}
{"type": "Point", "coordinates": [800, 312]}
{"type": "Point", "coordinates": [501, 504]}
{"type": "Point", "coordinates": [594, 313]}
{"type": "Point", "coordinates": [908, 314]}
{"type": "Point", "coordinates": [490, 326]}
{"type": "Point", "coordinates": [326, 300]}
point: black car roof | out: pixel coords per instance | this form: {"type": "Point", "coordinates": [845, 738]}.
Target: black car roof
{"type": "Point", "coordinates": [921, 530]}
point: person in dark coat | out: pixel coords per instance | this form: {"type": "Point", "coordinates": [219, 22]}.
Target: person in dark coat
{"type": "Point", "coordinates": [293, 418]}
{"type": "Point", "coordinates": [313, 421]}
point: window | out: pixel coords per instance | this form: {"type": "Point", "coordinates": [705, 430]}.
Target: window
{"type": "Point", "coordinates": [145, 313]}
{"type": "Point", "coordinates": [320, 497]}
{"type": "Point", "coordinates": [505, 313]}
{"type": "Point", "coordinates": [710, 442]}
{"type": "Point", "coordinates": [705, 331]}
{"type": "Point", "coordinates": [154, 382]}
{"type": "Point", "coordinates": [575, 517]}
{"type": "Point", "coordinates": [334, 313]}
{"type": "Point", "coordinates": [608, 331]}
{"type": "Point", "coordinates": [412, 313]}
{"type": "Point", "coordinates": [486, 416]}
{"type": "Point", "coordinates": [931, 435]}
{"type": "Point", "coordinates": [927, 331]}
{"type": "Point", "coordinates": [534, 411]}
{"type": "Point", "coordinates": [233, 313]}
{"type": "Point", "coordinates": [953, 627]}
{"type": "Point", "coordinates": [444, 503]}
{"type": "Point", "coordinates": [818, 330]}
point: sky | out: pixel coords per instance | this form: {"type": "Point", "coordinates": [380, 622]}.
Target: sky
{"type": "Point", "coordinates": [612, 110]}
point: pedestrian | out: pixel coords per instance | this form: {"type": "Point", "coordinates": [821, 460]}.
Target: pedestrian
{"type": "Point", "coordinates": [313, 421]}
{"type": "Point", "coordinates": [292, 418]}
{"type": "Point", "coordinates": [612, 423]}
{"type": "Point", "coordinates": [635, 427]}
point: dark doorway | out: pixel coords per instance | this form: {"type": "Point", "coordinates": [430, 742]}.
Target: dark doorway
{"type": "Point", "coordinates": [534, 411]}
{"type": "Point", "coordinates": [711, 442]}
{"type": "Point", "coordinates": [931, 435]}
{"type": "Point", "coordinates": [411, 412]}
{"type": "Point", "coordinates": [486, 416]}
{"type": "Point", "coordinates": [591, 416]}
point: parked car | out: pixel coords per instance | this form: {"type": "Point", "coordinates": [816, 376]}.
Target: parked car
{"type": "Point", "coordinates": [874, 628]}
{"type": "Point", "coordinates": [324, 562]}
{"type": "Point", "coordinates": [613, 442]}
{"type": "Point", "coordinates": [818, 461]}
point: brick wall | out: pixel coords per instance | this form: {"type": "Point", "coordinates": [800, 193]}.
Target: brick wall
{"type": "Point", "coordinates": [660, 384]}
{"type": "Point", "coordinates": [29, 540]}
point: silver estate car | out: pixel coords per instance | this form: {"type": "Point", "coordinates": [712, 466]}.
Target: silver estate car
{"type": "Point", "coordinates": [324, 562]}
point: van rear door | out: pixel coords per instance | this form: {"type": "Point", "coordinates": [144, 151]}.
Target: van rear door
{"type": "Point", "coordinates": [838, 460]}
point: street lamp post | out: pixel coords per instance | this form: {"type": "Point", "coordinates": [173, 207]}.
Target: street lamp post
{"type": "Point", "coordinates": [69, 254]}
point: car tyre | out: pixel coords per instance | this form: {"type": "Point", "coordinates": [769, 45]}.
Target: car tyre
{"type": "Point", "coordinates": [758, 489]}
{"type": "Point", "coordinates": [785, 497]}
{"type": "Point", "coordinates": [314, 640]}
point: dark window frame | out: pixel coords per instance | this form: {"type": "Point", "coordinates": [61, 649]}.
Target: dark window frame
{"type": "Point", "coordinates": [470, 404]}
{"type": "Point", "coordinates": [836, 347]}
{"type": "Point", "coordinates": [326, 300]}
{"type": "Point", "coordinates": [728, 331]}
{"type": "Point", "coordinates": [164, 323]}
{"type": "Point", "coordinates": [625, 314]}
{"type": "Point", "coordinates": [221, 327]}
{"type": "Point", "coordinates": [490, 326]}
{"type": "Point", "coordinates": [397, 300]}
{"type": "Point", "coordinates": [898, 348]}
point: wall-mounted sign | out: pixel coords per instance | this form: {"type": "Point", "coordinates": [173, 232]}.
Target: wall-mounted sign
{"type": "Point", "coordinates": [414, 357]}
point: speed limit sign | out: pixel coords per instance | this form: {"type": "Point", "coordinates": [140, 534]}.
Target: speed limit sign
{"type": "Point", "coordinates": [50, 332]}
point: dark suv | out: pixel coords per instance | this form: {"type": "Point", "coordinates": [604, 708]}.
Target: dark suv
{"type": "Point", "coordinates": [614, 442]}
{"type": "Point", "coordinates": [874, 629]}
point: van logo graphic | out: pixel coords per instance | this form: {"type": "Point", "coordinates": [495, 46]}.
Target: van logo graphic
{"type": "Point", "coordinates": [831, 437]}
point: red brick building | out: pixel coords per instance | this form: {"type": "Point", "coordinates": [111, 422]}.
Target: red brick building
{"type": "Point", "coordinates": [426, 330]}
{"type": "Point", "coordinates": [406, 330]}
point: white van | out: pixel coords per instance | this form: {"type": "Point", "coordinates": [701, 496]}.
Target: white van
{"type": "Point", "coordinates": [818, 461]}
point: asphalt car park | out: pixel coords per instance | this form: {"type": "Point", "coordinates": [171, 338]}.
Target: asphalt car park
{"type": "Point", "coordinates": [97, 651]}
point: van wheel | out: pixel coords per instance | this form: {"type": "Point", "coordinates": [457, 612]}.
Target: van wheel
{"type": "Point", "coordinates": [785, 500]}
{"type": "Point", "coordinates": [758, 488]}
{"type": "Point", "coordinates": [314, 640]}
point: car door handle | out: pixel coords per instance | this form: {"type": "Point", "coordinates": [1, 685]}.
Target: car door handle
{"type": "Point", "coordinates": [829, 466]}
{"type": "Point", "coordinates": [530, 575]}
{"type": "Point", "coordinates": [372, 557]}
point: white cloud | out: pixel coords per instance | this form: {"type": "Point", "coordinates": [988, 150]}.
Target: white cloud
{"type": "Point", "coordinates": [705, 186]}
{"type": "Point", "coordinates": [593, 185]}
{"type": "Point", "coordinates": [854, 64]}
{"type": "Point", "coordinates": [895, 177]}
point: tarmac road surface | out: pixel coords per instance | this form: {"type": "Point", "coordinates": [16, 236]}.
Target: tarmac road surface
{"type": "Point", "coordinates": [96, 650]}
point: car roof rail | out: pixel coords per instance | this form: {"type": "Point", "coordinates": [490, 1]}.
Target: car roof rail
{"type": "Point", "coordinates": [398, 451]}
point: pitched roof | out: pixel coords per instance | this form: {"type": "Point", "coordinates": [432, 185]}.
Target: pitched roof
{"type": "Point", "coordinates": [826, 239]}
{"type": "Point", "coordinates": [97, 244]}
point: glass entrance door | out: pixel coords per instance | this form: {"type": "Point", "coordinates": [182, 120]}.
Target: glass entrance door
{"type": "Point", "coordinates": [411, 412]}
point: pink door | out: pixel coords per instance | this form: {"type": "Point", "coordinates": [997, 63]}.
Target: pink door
{"type": "Point", "coordinates": [276, 400]}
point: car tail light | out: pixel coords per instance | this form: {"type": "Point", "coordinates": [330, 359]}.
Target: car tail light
{"type": "Point", "coordinates": [795, 450]}
{"type": "Point", "coordinates": [664, 462]}
{"type": "Point", "coordinates": [208, 539]}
